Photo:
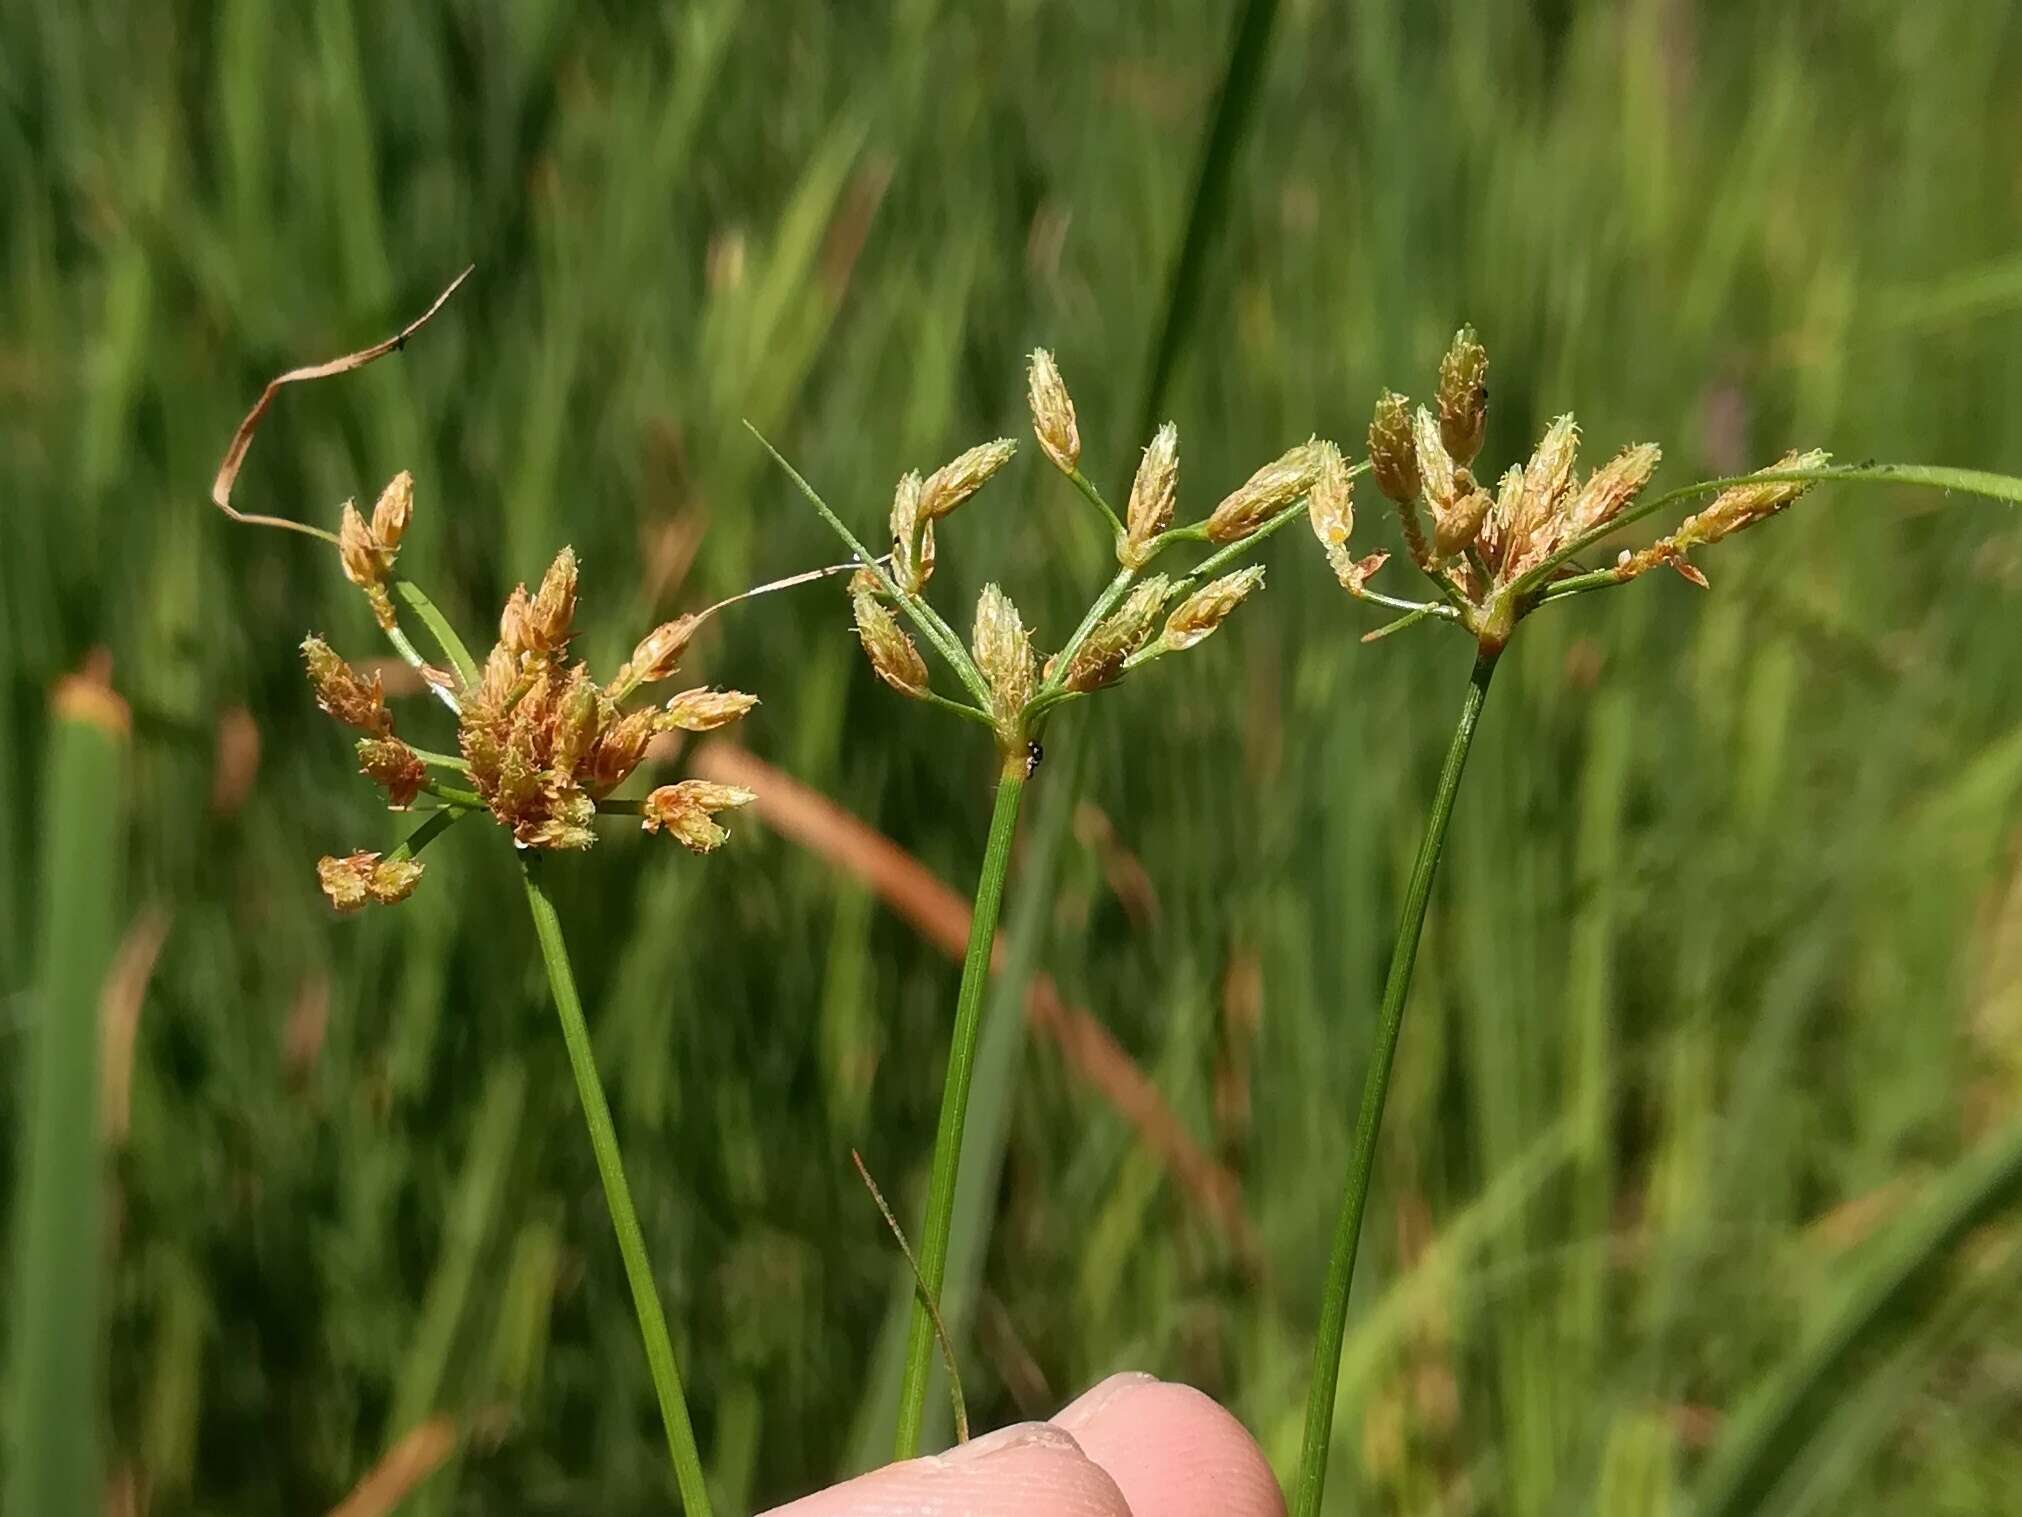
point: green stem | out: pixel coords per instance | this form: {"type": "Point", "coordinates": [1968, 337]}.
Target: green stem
{"type": "Point", "coordinates": [1104, 604]}
{"type": "Point", "coordinates": [416, 662]}
{"type": "Point", "coordinates": [1361, 1162]}
{"type": "Point", "coordinates": [1082, 483]}
{"type": "Point", "coordinates": [438, 628]}
{"type": "Point", "coordinates": [440, 760]}
{"type": "Point", "coordinates": [922, 615]}
{"type": "Point", "coordinates": [1988, 486]}
{"type": "Point", "coordinates": [955, 1100]}
{"type": "Point", "coordinates": [618, 1197]}
{"type": "Point", "coordinates": [453, 795]}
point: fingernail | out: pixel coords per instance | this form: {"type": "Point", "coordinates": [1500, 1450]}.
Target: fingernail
{"type": "Point", "coordinates": [1084, 1408]}
{"type": "Point", "coordinates": [1020, 1435]}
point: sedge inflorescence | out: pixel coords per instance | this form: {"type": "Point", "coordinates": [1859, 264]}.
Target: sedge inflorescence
{"type": "Point", "coordinates": [1495, 554]}
{"type": "Point", "coordinates": [541, 742]}
{"type": "Point", "coordinates": [1138, 618]}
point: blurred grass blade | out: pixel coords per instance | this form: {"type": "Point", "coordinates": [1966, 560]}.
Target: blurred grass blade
{"type": "Point", "coordinates": [1235, 104]}
{"type": "Point", "coordinates": [1893, 1285]}
{"type": "Point", "coordinates": [55, 1384]}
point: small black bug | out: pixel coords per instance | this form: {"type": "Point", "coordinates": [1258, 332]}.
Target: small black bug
{"type": "Point", "coordinates": [1034, 755]}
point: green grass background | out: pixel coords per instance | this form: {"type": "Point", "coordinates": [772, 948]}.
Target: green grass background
{"type": "Point", "coordinates": [1730, 932]}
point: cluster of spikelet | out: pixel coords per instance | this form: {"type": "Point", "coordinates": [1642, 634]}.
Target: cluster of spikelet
{"type": "Point", "coordinates": [1138, 620]}
{"type": "Point", "coordinates": [541, 740]}
{"type": "Point", "coordinates": [1490, 553]}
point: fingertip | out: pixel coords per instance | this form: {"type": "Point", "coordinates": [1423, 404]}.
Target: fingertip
{"type": "Point", "coordinates": [1172, 1450]}
{"type": "Point", "coordinates": [1030, 1468]}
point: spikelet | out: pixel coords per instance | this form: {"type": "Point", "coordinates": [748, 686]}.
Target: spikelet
{"type": "Point", "coordinates": [1100, 658]}
{"type": "Point", "coordinates": [1393, 453]}
{"type": "Point", "coordinates": [687, 812]}
{"type": "Point", "coordinates": [1740, 506]}
{"type": "Point", "coordinates": [955, 481]}
{"type": "Point", "coordinates": [357, 878]}
{"type": "Point", "coordinates": [893, 655]}
{"type": "Point", "coordinates": [912, 537]}
{"type": "Point", "coordinates": [1053, 419]}
{"type": "Point", "coordinates": [1154, 494]}
{"type": "Point", "coordinates": [1454, 531]}
{"type": "Point", "coordinates": [1732, 510]}
{"type": "Point", "coordinates": [392, 512]}
{"type": "Point", "coordinates": [617, 752]}
{"type": "Point", "coordinates": [1331, 503]}
{"type": "Point", "coordinates": [1277, 485]}
{"type": "Point", "coordinates": [343, 692]}
{"type": "Point", "coordinates": [1609, 489]}
{"type": "Point", "coordinates": [657, 656]}
{"type": "Point", "coordinates": [1463, 397]}
{"type": "Point", "coordinates": [1436, 474]}
{"type": "Point", "coordinates": [704, 710]}
{"type": "Point", "coordinates": [1003, 651]}
{"type": "Point", "coordinates": [1549, 476]}
{"type": "Point", "coordinates": [1208, 607]}
{"type": "Point", "coordinates": [551, 616]}
{"type": "Point", "coordinates": [513, 630]}
{"type": "Point", "coordinates": [393, 767]}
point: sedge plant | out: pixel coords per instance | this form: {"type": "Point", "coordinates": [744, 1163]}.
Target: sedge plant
{"type": "Point", "coordinates": [541, 747]}
{"type": "Point", "coordinates": [1007, 689]}
{"type": "Point", "coordinates": [1491, 558]}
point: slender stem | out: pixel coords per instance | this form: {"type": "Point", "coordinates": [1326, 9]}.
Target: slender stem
{"type": "Point", "coordinates": [415, 661]}
{"type": "Point", "coordinates": [618, 1197]}
{"type": "Point", "coordinates": [922, 615]}
{"type": "Point", "coordinates": [440, 760]}
{"type": "Point", "coordinates": [1348, 1228]}
{"type": "Point", "coordinates": [1579, 584]}
{"type": "Point", "coordinates": [1398, 603]}
{"type": "Point", "coordinates": [439, 629]}
{"type": "Point", "coordinates": [1104, 603]}
{"type": "Point", "coordinates": [452, 795]}
{"type": "Point", "coordinates": [428, 831]}
{"type": "Point", "coordinates": [1086, 486]}
{"type": "Point", "coordinates": [955, 1100]}
{"type": "Point", "coordinates": [961, 708]}
{"type": "Point", "coordinates": [1409, 619]}
{"type": "Point", "coordinates": [1980, 482]}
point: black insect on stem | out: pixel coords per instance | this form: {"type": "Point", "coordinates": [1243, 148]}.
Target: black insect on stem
{"type": "Point", "coordinates": [1035, 755]}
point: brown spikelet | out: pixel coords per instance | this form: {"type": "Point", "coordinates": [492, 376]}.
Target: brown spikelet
{"type": "Point", "coordinates": [687, 812]}
{"type": "Point", "coordinates": [366, 564]}
{"type": "Point", "coordinates": [358, 878]}
{"type": "Point", "coordinates": [657, 657]}
{"type": "Point", "coordinates": [393, 511]}
{"type": "Point", "coordinates": [618, 751]}
{"type": "Point", "coordinates": [343, 692]}
{"type": "Point", "coordinates": [893, 655]}
{"type": "Point", "coordinates": [704, 710]}
{"type": "Point", "coordinates": [393, 767]}
{"type": "Point", "coordinates": [551, 616]}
